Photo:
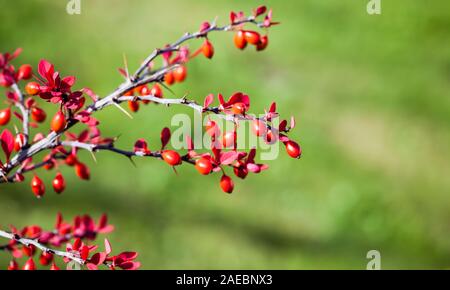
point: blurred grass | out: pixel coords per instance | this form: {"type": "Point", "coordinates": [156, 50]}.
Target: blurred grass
{"type": "Point", "coordinates": [371, 95]}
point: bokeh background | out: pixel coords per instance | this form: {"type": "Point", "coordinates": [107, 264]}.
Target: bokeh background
{"type": "Point", "coordinates": [371, 96]}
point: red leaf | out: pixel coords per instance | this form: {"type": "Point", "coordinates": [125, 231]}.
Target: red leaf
{"type": "Point", "coordinates": [127, 256]}
{"type": "Point", "coordinates": [18, 116]}
{"type": "Point", "coordinates": [46, 69]}
{"type": "Point", "coordinates": [69, 80]}
{"type": "Point", "coordinates": [108, 248]}
{"type": "Point", "coordinates": [292, 122]}
{"type": "Point", "coordinates": [7, 140]}
{"type": "Point", "coordinates": [130, 265]}
{"type": "Point", "coordinates": [190, 144]}
{"type": "Point", "coordinates": [98, 258]}
{"type": "Point", "coordinates": [90, 93]}
{"type": "Point", "coordinates": [273, 107]}
{"type": "Point", "coordinates": [221, 100]}
{"type": "Point", "coordinates": [208, 100]}
{"type": "Point", "coordinates": [16, 53]}
{"type": "Point", "coordinates": [260, 10]}
{"type": "Point", "coordinates": [232, 16]}
{"type": "Point", "coordinates": [165, 137]}
{"type": "Point", "coordinates": [91, 266]}
{"type": "Point", "coordinates": [205, 26]}
{"type": "Point", "coordinates": [59, 219]}
{"type": "Point", "coordinates": [228, 157]}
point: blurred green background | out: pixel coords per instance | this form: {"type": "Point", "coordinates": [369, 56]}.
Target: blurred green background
{"type": "Point", "coordinates": [371, 96]}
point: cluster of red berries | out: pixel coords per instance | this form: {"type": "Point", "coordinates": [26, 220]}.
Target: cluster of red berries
{"type": "Point", "coordinates": [76, 236]}
{"type": "Point", "coordinates": [215, 161]}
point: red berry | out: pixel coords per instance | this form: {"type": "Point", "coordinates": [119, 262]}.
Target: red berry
{"type": "Point", "coordinates": [208, 49]}
{"type": "Point", "coordinates": [82, 171]}
{"type": "Point", "coordinates": [156, 91]}
{"type": "Point", "coordinates": [33, 88]}
{"type": "Point", "coordinates": [133, 105]}
{"type": "Point", "coordinates": [262, 44]}
{"type": "Point", "coordinates": [226, 183]}
{"type": "Point", "coordinates": [71, 160]}
{"type": "Point", "coordinates": [54, 267]}
{"type": "Point", "coordinates": [45, 258]}
{"type": "Point", "coordinates": [203, 166]}
{"type": "Point", "coordinates": [239, 40]}
{"type": "Point", "coordinates": [13, 265]}
{"type": "Point", "coordinates": [144, 91]}
{"type": "Point", "coordinates": [129, 93]}
{"type": "Point", "coordinates": [171, 157]}
{"type": "Point", "coordinates": [58, 122]}
{"type": "Point", "coordinates": [293, 149]}
{"type": "Point", "coordinates": [169, 79]}
{"type": "Point", "coordinates": [5, 116]}
{"type": "Point", "coordinates": [37, 186]}
{"type": "Point", "coordinates": [211, 128]}
{"type": "Point", "coordinates": [259, 128]}
{"type": "Point", "coordinates": [238, 108]}
{"type": "Point", "coordinates": [24, 72]}
{"type": "Point", "coordinates": [252, 37]}
{"type": "Point", "coordinates": [228, 139]}
{"type": "Point", "coordinates": [19, 142]}
{"type": "Point", "coordinates": [29, 265]}
{"type": "Point", "coordinates": [59, 184]}
{"type": "Point", "coordinates": [38, 114]}
{"type": "Point", "coordinates": [179, 74]}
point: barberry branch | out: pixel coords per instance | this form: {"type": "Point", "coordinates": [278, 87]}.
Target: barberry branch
{"type": "Point", "coordinates": [28, 242]}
